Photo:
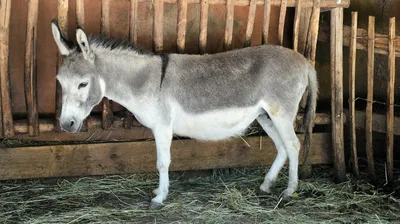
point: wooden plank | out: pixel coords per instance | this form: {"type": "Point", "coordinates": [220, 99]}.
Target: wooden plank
{"type": "Point", "coordinates": [378, 122]}
{"type": "Point", "coordinates": [230, 8]}
{"type": "Point", "coordinates": [30, 78]}
{"type": "Point", "coordinates": [181, 28]}
{"type": "Point", "coordinates": [62, 19]}
{"type": "Point", "coordinates": [158, 25]}
{"type": "Point", "coordinates": [133, 22]}
{"type": "Point", "coordinates": [297, 15]}
{"type": "Point", "coordinates": [107, 113]}
{"type": "Point", "coordinates": [390, 99]}
{"type": "Point", "coordinates": [290, 3]}
{"type": "Point", "coordinates": [203, 26]}
{"type": "Point", "coordinates": [136, 157]}
{"type": "Point", "coordinates": [381, 42]}
{"type": "Point", "coordinates": [370, 98]}
{"type": "Point", "coordinates": [266, 20]}
{"type": "Point", "coordinates": [337, 92]}
{"type": "Point", "coordinates": [312, 36]}
{"type": "Point", "coordinates": [282, 17]}
{"type": "Point", "coordinates": [7, 128]}
{"type": "Point", "coordinates": [352, 94]}
{"type": "Point", "coordinates": [250, 23]}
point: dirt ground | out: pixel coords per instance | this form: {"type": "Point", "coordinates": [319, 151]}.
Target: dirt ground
{"type": "Point", "coordinates": [219, 196]}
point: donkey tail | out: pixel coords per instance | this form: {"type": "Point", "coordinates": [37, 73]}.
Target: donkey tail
{"type": "Point", "coordinates": [309, 114]}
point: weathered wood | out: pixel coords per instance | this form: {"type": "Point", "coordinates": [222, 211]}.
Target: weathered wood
{"type": "Point", "coordinates": [30, 77]}
{"type": "Point", "coordinates": [352, 88]}
{"type": "Point", "coordinates": [312, 36]}
{"type": "Point", "coordinates": [158, 25]}
{"type": "Point", "coordinates": [133, 21]}
{"type": "Point", "coordinates": [7, 118]}
{"type": "Point", "coordinates": [230, 8]}
{"type": "Point", "coordinates": [266, 21]}
{"type": "Point", "coordinates": [250, 23]}
{"type": "Point", "coordinates": [390, 99]}
{"type": "Point", "coordinates": [135, 157]}
{"type": "Point", "coordinates": [107, 113]}
{"type": "Point", "coordinates": [378, 122]}
{"type": "Point", "coordinates": [297, 15]}
{"type": "Point", "coordinates": [181, 28]}
{"type": "Point", "coordinates": [370, 98]}
{"type": "Point", "coordinates": [203, 26]}
{"type": "Point", "coordinates": [290, 3]}
{"type": "Point", "coordinates": [62, 18]}
{"type": "Point", "coordinates": [381, 40]}
{"type": "Point", "coordinates": [337, 92]}
{"type": "Point", "coordinates": [281, 23]}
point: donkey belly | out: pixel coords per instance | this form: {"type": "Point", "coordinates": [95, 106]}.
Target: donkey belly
{"type": "Point", "coordinates": [215, 125]}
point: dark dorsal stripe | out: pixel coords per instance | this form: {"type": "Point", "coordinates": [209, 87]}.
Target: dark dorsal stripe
{"type": "Point", "coordinates": [164, 65]}
{"type": "Point", "coordinates": [114, 43]}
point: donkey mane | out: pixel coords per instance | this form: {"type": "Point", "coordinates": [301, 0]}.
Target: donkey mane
{"type": "Point", "coordinates": [112, 44]}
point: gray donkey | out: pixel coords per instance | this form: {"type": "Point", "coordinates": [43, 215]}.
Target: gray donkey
{"type": "Point", "coordinates": [206, 97]}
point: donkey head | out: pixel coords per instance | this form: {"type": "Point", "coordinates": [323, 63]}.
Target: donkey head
{"type": "Point", "coordinates": [82, 87]}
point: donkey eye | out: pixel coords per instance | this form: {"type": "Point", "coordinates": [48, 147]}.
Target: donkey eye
{"type": "Point", "coordinates": [82, 85]}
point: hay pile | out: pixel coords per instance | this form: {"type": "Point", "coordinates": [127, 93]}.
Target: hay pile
{"type": "Point", "coordinates": [221, 196]}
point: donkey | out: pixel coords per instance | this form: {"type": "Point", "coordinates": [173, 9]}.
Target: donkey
{"type": "Point", "coordinates": [206, 97]}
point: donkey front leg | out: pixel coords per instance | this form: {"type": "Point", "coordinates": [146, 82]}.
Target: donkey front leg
{"type": "Point", "coordinates": [163, 137]}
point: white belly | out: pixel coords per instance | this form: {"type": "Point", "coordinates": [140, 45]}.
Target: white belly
{"type": "Point", "coordinates": [215, 125]}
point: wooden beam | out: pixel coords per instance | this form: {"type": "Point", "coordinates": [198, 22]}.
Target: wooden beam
{"type": "Point", "coordinates": [230, 9]}
{"type": "Point", "coordinates": [337, 92]}
{"type": "Point", "coordinates": [158, 27]}
{"type": "Point", "coordinates": [266, 20]}
{"type": "Point", "coordinates": [133, 21]}
{"type": "Point", "coordinates": [250, 23]}
{"type": "Point", "coordinates": [203, 26]}
{"type": "Point", "coordinates": [181, 28]}
{"type": "Point", "coordinates": [378, 122]}
{"type": "Point", "coordinates": [137, 157]}
{"type": "Point", "coordinates": [290, 3]}
{"type": "Point", "coordinates": [370, 98]}
{"type": "Point", "coordinates": [352, 88]}
{"type": "Point", "coordinates": [390, 99]}
{"type": "Point", "coordinates": [312, 35]}
{"type": "Point", "coordinates": [7, 128]}
{"type": "Point", "coordinates": [282, 17]}
{"type": "Point", "coordinates": [297, 15]}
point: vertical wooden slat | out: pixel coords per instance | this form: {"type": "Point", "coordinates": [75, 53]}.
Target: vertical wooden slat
{"type": "Point", "coordinates": [62, 17]}
{"type": "Point", "coordinates": [181, 28]}
{"type": "Point", "coordinates": [250, 23]}
{"type": "Point", "coordinates": [281, 26]}
{"type": "Point", "coordinates": [230, 8]}
{"type": "Point", "coordinates": [352, 87]}
{"type": "Point", "coordinates": [107, 113]}
{"type": "Point", "coordinates": [312, 36]}
{"type": "Point", "coordinates": [370, 98]}
{"type": "Point", "coordinates": [390, 99]}
{"type": "Point", "coordinates": [6, 109]}
{"type": "Point", "coordinates": [337, 92]}
{"type": "Point", "coordinates": [296, 25]}
{"type": "Point", "coordinates": [158, 27]}
{"type": "Point", "coordinates": [266, 18]}
{"type": "Point", "coordinates": [30, 78]}
{"type": "Point", "coordinates": [203, 26]}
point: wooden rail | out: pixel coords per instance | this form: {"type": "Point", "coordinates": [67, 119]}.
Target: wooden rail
{"type": "Point", "coordinates": [230, 7]}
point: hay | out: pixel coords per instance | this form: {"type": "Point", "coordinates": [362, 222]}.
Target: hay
{"type": "Point", "coordinates": [221, 196]}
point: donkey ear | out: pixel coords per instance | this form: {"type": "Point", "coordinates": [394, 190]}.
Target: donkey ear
{"type": "Point", "coordinates": [83, 42]}
{"type": "Point", "coordinates": [60, 40]}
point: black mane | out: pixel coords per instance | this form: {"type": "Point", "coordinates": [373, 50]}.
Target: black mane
{"type": "Point", "coordinates": [115, 43]}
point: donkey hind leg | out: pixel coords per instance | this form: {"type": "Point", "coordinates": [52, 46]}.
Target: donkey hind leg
{"type": "Point", "coordinates": [163, 138]}
{"type": "Point", "coordinates": [269, 127]}
{"type": "Point", "coordinates": [292, 145]}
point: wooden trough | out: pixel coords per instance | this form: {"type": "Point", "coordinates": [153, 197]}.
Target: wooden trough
{"type": "Point", "coordinates": [109, 124]}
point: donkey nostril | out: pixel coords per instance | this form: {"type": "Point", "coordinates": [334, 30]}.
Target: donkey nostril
{"type": "Point", "coordinates": [71, 124]}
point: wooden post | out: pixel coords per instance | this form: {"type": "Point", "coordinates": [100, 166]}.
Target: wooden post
{"type": "Point", "coordinates": [352, 87]}
{"type": "Point", "coordinates": [282, 16]}
{"type": "Point", "coordinates": [30, 78]}
{"type": "Point", "coordinates": [266, 18]}
{"type": "Point", "coordinates": [107, 113]}
{"type": "Point", "coordinates": [390, 99]}
{"type": "Point", "coordinates": [337, 92]}
{"type": "Point", "coordinates": [158, 25]}
{"type": "Point", "coordinates": [312, 36]}
{"type": "Point", "coordinates": [296, 25]}
{"type": "Point", "coordinates": [6, 107]}
{"type": "Point", "coordinates": [62, 17]}
{"type": "Point", "coordinates": [203, 26]}
{"type": "Point", "coordinates": [250, 23]}
{"type": "Point", "coordinates": [182, 22]}
{"type": "Point", "coordinates": [230, 8]}
{"type": "Point", "coordinates": [370, 98]}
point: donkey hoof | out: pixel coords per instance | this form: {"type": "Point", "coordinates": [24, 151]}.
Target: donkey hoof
{"type": "Point", "coordinates": [155, 191]}
{"type": "Point", "coordinates": [285, 196]}
{"type": "Point", "coordinates": [156, 206]}
{"type": "Point", "coordinates": [264, 190]}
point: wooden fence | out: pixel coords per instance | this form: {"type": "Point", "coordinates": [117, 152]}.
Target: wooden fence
{"type": "Point", "coordinates": [83, 159]}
